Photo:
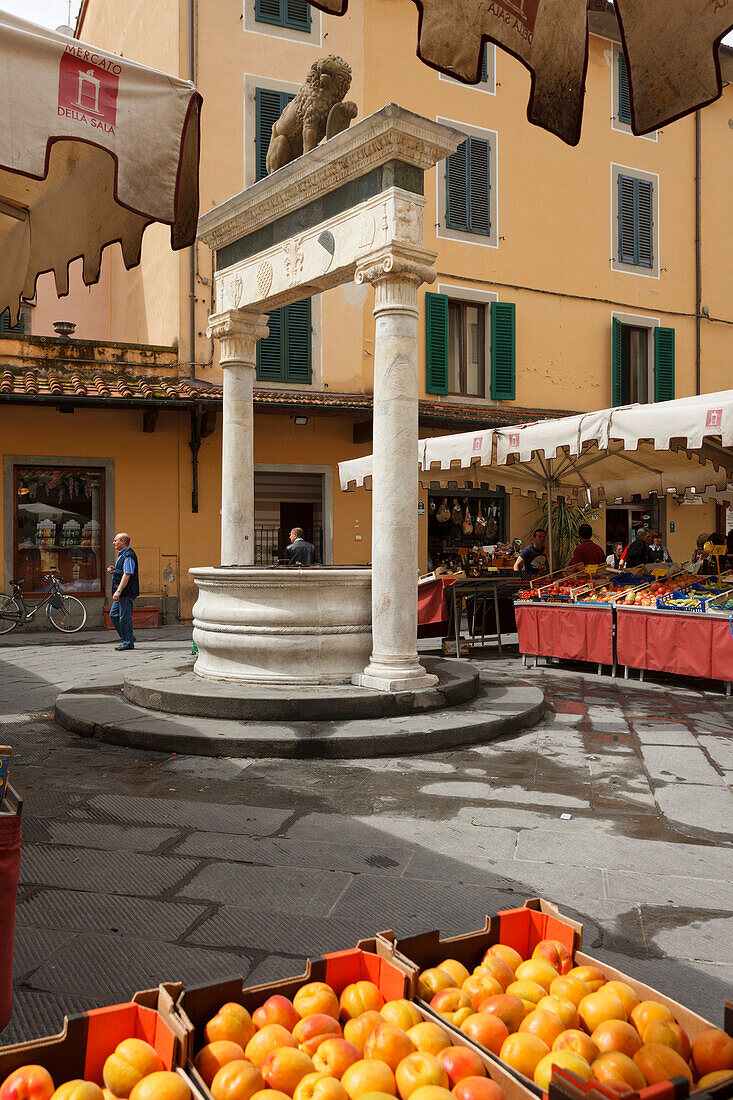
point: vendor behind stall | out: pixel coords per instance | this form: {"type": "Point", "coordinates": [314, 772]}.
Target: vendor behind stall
{"type": "Point", "coordinates": [532, 561]}
{"type": "Point", "coordinates": [589, 552]}
{"type": "Point", "coordinates": [639, 552]}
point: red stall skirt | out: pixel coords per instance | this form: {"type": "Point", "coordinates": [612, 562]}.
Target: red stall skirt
{"type": "Point", "coordinates": [566, 631]}
{"type": "Point", "coordinates": [9, 872]}
{"type": "Point", "coordinates": [683, 645]}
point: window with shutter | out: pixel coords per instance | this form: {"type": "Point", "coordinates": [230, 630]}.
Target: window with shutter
{"type": "Point", "coordinates": [635, 221]}
{"type": "Point", "coordinates": [285, 356]}
{"type": "Point", "coordinates": [436, 343]}
{"type": "Point", "coordinates": [664, 381]}
{"type": "Point", "coordinates": [5, 325]}
{"type": "Point", "coordinates": [269, 105]}
{"type": "Point", "coordinates": [624, 101]}
{"type": "Point", "coordinates": [616, 364]}
{"type": "Point", "coordinates": [468, 187]}
{"type": "Point", "coordinates": [485, 65]}
{"type": "Point", "coordinates": [503, 351]}
{"type": "Point", "coordinates": [295, 14]}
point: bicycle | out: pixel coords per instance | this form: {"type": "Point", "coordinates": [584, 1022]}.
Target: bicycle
{"type": "Point", "coordinates": [64, 612]}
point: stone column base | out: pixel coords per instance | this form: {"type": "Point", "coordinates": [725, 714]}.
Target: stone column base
{"type": "Point", "coordinates": [383, 678]}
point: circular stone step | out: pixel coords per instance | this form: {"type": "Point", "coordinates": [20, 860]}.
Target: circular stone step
{"type": "Point", "coordinates": [181, 691]}
{"type": "Point", "coordinates": [497, 710]}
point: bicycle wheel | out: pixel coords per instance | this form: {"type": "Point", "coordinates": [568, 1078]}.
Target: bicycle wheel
{"type": "Point", "coordinates": [69, 618]}
{"type": "Point", "coordinates": [10, 614]}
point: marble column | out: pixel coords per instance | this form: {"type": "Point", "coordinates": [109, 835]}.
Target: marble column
{"type": "Point", "coordinates": [396, 272]}
{"type": "Point", "coordinates": [238, 331]}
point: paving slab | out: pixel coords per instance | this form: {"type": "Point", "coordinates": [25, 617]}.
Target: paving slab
{"type": "Point", "coordinates": [93, 870]}
{"type": "Point", "coordinates": [192, 814]}
{"type": "Point", "coordinates": [287, 890]}
{"type": "Point", "coordinates": [720, 751]}
{"type": "Point", "coordinates": [70, 911]}
{"type": "Point", "coordinates": [670, 763]}
{"type": "Point", "coordinates": [283, 933]}
{"type": "Point", "coordinates": [697, 810]}
{"type": "Point", "coordinates": [705, 938]}
{"type": "Point", "coordinates": [387, 859]}
{"type": "Point", "coordinates": [670, 889]}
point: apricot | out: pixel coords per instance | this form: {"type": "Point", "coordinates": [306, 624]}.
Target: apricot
{"type": "Point", "coordinates": [311, 1031]}
{"type": "Point", "coordinates": [617, 1035]}
{"type": "Point", "coordinates": [429, 1037]}
{"type": "Point", "coordinates": [418, 1070]}
{"type": "Point", "coordinates": [555, 953]}
{"type": "Point", "coordinates": [712, 1050]}
{"type": "Point", "coordinates": [432, 1092]}
{"type": "Point", "coordinates": [132, 1060]}
{"type": "Point", "coordinates": [507, 1007]}
{"type": "Point", "coordinates": [162, 1085]}
{"type": "Point", "coordinates": [578, 1042]}
{"type": "Point", "coordinates": [624, 993]}
{"type": "Point", "coordinates": [486, 1029]}
{"type": "Point", "coordinates": [646, 1012]}
{"type": "Point", "coordinates": [319, 1086]}
{"type": "Point", "coordinates": [232, 1022]}
{"type": "Point", "coordinates": [284, 1068]}
{"type": "Point", "coordinates": [316, 998]}
{"type": "Point", "coordinates": [523, 1052]}
{"type": "Point", "coordinates": [401, 1013]}
{"type": "Point", "coordinates": [369, 1075]}
{"type": "Point", "coordinates": [358, 1031]}
{"type": "Point", "coordinates": [591, 975]}
{"type": "Point", "coordinates": [276, 1010]}
{"type": "Point", "coordinates": [671, 1035]}
{"type": "Point", "coordinates": [455, 969]}
{"type": "Point", "coordinates": [478, 989]}
{"type": "Point", "coordinates": [598, 1007]}
{"type": "Point", "coordinates": [527, 991]}
{"type": "Point", "coordinates": [563, 1008]}
{"type": "Point", "coordinates": [503, 951]}
{"type": "Point", "coordinates": [618, 1071]}
{"type": "Point", "coordinates": [714, 1078]}
{"type": "Point", "coordinates": [449, 1002]}
{"type": "Point", "coordinates": [543, 1023]}
{"type": "Point", "coordinates": [478, 1088]}
{"type": "Point", "coordinates": [270, 1094]}
{"type": "Point", "coordinates": [360, 997]}
{"type": "Point", "coordinates": [571, 988]}
{"type": "Point", "coordinates": [213, 1056]}
{"type": "Point", "coordinates": [538, 971]}
{"type": "Point", "coordinates": [268, 1038]}
{"type": "Point", "coordinates": [389, 1044]}
{"type": "Point", "coordinates": [87, 1090]}
{"type": "Point", "coordinates": [430, 981]}
{"type": "Point", "coordinates": [238, 1080]}
{"type": "Point", "coordinates": [494, 967]}
{"type": "Point", "coordinates": [658, 1063]}
{"type": "Point", "coordinates": [459, 1063]}
{"type": "Point", "coordinates": [335, 1056]}
{"type": "Point", "coordinates": [108, 1095]}
{"type": "Point", "coordinates": [28, 1083]}
{"type": "Point", "coordinates": [566, 1059]}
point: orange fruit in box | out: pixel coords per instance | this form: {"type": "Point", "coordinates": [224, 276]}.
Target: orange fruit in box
{"type": "Point", "coordinates": [555, 953]}
{"type": "Point", "coordinates": [577, 1041]}
{"type": "Point", "coordinates": [429, 1037]}
{"type": "Point", "coordinates": [369, 1075]}
{"type": "Point", "coordinates": [213, 1056]}
{"type": "Point", "coordinates": [334, 1057]}
{"type": "Point", "coordinates": [276, 1010]}
{"type": "Point", "coordinates": [459, 1063]}
{"type": "Point", "coordinates": [453, 1005]}
{"type": "Point", "coordinates": [714, 1078]}
{"type": "Point", "coordinates": [358, 1031]}
{"type": "Point", "coordinates": [455, 969]}
{"type": "Point", "coordinates": [507, 1007]}
{"type": "Point", "coordinates": [618, 1071]}
{"type": "Point", "coordinates": [430, 981]}
{"type": "Point", "coordinates": [617, 1035]}
{"type": "Point", "coordinates": [530, 992]}
{"type": "Point", "coordinates": [478, 989]}
{"type": "Point", "coordinates": [401, 1013]}
{"type": "Point", "coordinates": [563, 1008]}
{"type": "Point", "coordinates": [360, 997]}
{"type": "Point", "coordinates": [162, 1085]}
{"type": "Point", "coordinates": [543, 1023]}
{"type": "Point", "coordinates": [658, 1063]}
{"type": "Point", "coordinates": [28, 1083]}
{"type": "Point", "coordinates": [523, 1052]}
{"type": "Point", "coordinates": [671, 1034]}
{"type": "Point", "coordinates": [712, 1050]}
{"type": "Point", "coordinates": [432, 1092]}
{"type": "Point", "coordinates": [478, 1088]}
{"type": "Point", "coordinates": [494, 967]}
{"type": "Point", "coordinates": [390, 1044]}
{"type": "Point", "coordinates": [571, 988]}
{"type": "Point", "coordinates": [316, 998]}
{"type": "Point", "coordinates": [237, 1081]}
{"type": "Point", "coordinates": [270, 1094]}
{"type": "Point", "coordinates": [134, 1059]}
{"type": "Point", "coordinates": [591, 975]}
{"type": "Point", "coordinates": [87, 1090]}
{"type": "Point", "coordinates": [311, 1031]}
{"type": "Point", "coordinates": [417, 1070]}
{"type": "Point", "coordinates": [538, 971]}
{"type": "Point", "coordinates": [284, 1068]}
{"type": "Point", "coordinates": [319, 1086]}
{"type": "Point", "coordinates": [598, 1007]}
{"type": "Point", "coordinates": [232, 1022]}
{"type": "Point", "coordinates": [624, 993]}
{"type": "Point", "coordinates": [646, 1012]}
{"type": "Point", "coordinates": [566, 1059]}
{"type": "Point", "coordinates": [486, 1029]}
{"type": "Point", "coordinates": [268, 1038]}
{"type": "Point", "coordinates": [503, 951]}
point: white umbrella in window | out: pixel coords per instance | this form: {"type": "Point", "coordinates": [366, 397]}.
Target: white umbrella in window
{"type": "Point", "coordinates": [671, 49]}
{"type": "Point", "coordinates": [93, 149]}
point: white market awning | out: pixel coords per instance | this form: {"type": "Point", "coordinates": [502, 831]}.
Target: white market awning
{"type": "Point", "coordinates": [93, 149]}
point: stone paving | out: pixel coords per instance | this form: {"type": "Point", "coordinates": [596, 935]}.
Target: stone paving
{"type": "Point", "coordinates": [140, 867]}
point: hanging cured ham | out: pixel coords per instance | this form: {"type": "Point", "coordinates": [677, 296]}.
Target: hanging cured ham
{"type": "Point", "coordinates": [443, 513]}
{"type": "Point", "coordinates": [456, 515]}
{"type": "Point", "coordinates": [480, 523]}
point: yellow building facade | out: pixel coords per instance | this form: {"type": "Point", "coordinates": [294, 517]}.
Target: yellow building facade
{"type": "Point", "coordinates": [569, 279]}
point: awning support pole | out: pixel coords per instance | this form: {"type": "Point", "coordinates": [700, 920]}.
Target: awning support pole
{"type": "Point", "coordinates": [549, 526]}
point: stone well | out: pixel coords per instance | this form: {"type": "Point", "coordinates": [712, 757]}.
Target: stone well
{"type": "Point", "coordinates": [282, 626]}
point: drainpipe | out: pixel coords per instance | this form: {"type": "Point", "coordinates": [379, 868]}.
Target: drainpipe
{"type": "Point", "coordinates": [698, 262]}
{"type": "Point", "coordinates": [192, 257]}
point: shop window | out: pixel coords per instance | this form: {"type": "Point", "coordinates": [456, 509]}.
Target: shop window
{"type": "Point", "coordinates": [466, 342]}
{"type": "Point", "coordinates": [58, 524]}
{"type": "Point", "coordinates": [468, 183]}
{"type": "Point", "coordinates": [285, 356]}
{"type": "Point", "coordinates": [447, 539]}
{"type": "Point", "coordinates": [637, 377]}
{"type": "Point", "coordinates": [295, 14]}
{"type": "Point", "coordinates": [635, 221]}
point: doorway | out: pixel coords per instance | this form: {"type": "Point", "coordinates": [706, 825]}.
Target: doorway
{"type": "Point", "coordinates": [296, 514]}
{"type": "Point", "coordinates": [623, 521]}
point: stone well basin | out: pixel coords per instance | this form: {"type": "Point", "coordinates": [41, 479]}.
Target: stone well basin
{"type": "Point", "coordinates": [282, 626]}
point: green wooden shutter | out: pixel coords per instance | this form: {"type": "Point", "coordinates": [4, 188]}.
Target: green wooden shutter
{"type": "Point", "coordinates": [269, 105]}
{"type": "Point", "coordinates": [479, 218]}
{"type": "Point", "coordinates": [664, 364]}
{"type": "Point", "coordinates": [456, 187]}
{"type": "Point", "coordinates": [626, 220]}
{"type": "Point", "coordinates": [616, 369]}
{"type": "Point", "coordinates": [270, 11]}
{"type": "Point", "coordinates": [436, 343]}
{"type": "Point", "coordinates": [624, 99]}
{"type": "Point", "coordinates": [645, 222]}
{"type": "Point", "coordinates": [270, 367]}
{"type": "Point", "coordinates": [297, 342]}
{"type": "Point", "coordinates": [503, 351]}
{"type": "Point", "coordinates": [298, 15]}
{"type": "Point", "coordinates": [485, 65]}
{"type": "Point", "coordinates": [5, 325]}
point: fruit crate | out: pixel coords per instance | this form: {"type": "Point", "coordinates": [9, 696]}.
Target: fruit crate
{"type": "Point", "coordinates": [81, 1048]}
{"type": "Point", "coordinates": [370, 961]}
{"type": "Point", "coordinates": [694, 602]}
{"type": "Point", "coordinates": [522, 929]}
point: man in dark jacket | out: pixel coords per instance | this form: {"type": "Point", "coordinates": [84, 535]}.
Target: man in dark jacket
{"type": "Point", "coordinates": [639, 552]}
{"type": "Point", "coordinates": [301, 552]}
{"type": "Point", "coordinates": [125, 589]}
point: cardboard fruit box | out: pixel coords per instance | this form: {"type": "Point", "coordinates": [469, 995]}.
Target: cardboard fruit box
{"type": "Point", "coordinates": [86, 1040]}
{"type": "Point", "coordinates": [522, 929]}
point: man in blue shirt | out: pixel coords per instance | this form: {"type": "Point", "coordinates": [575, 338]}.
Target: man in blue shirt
{"type": "Point", "coordinates": [533, 560]}
{"type": "Point", "coordinates": [126, 587]}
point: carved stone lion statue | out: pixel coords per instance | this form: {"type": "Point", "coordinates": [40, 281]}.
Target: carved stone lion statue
{"type": "Point", "coordinates": [316, 112]}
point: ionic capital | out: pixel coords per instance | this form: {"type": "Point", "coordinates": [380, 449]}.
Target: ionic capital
{"type": "Point", "coordinates": [395, 272]}
{"type": "Point", "coordinates": [238, 332]}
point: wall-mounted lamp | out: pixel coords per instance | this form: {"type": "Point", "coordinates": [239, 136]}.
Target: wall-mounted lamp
{"type": "Point", "coordinates": [301, 421]}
